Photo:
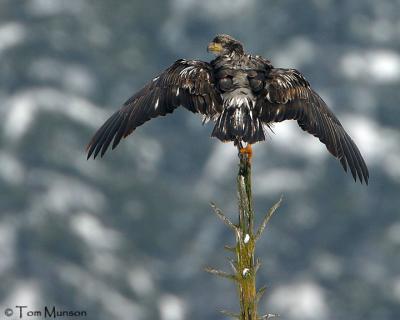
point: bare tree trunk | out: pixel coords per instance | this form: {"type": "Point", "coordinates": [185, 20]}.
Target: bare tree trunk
{"type": "Point", "coordinates": [245, 266]}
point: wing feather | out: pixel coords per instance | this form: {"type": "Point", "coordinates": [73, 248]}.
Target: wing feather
{"type": "Point", "coordinates": [289, 96]}
{"type": "Point", "coordinates": [189, 83]}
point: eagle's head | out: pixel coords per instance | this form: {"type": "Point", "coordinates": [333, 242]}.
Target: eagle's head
{"type": "Point", "coordinates": [224, 44]}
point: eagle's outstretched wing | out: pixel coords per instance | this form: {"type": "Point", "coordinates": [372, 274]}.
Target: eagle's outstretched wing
{"type": "Point", "coordinates": [189, 83]}
{"type": "Point", "coordinates": [288, 95]}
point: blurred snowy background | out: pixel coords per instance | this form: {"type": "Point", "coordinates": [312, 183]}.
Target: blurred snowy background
{"type": "Point", "coordinates": [126, 237]}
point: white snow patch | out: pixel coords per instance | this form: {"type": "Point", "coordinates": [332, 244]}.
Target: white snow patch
{"type": "Point", "coordinates": [222, 8]}
{"type": "Point", "coordinates": [62, 194]}
{"type": "Point", "coordinates": [304, 300]}
{"type": "Point", "coordinates": [384, 66]}
{"type": "Point", "coordinates": [378, 66]}
{"type": "Point", "coordinates": [11, 169]}
{"type": "Point", "coordinates": [379, 145]}
{"type": "Point", "coordinates": [171, 308]}
{"type": "Point", "coordinates": [96, 289]}
{"type": "Point", "coordinates": [289, 138]}
{"type": "Point", "coordinates": [103, 261]}
{"type": "Point", "coordinates": [368, 135]}
{"type": "Point", "coordinates": [119, 306]}
{"type": "Point", "coordinates": [53, 7]}
{"type": "Point", "coordinates": [11, 34]}
{"type": "Point", "coordinates": [19, 118]}
{"type": "Point", "coordinates": [92, 230]}
{"type": "Point", "coordinates": [328, 265]}
{"type": "Point", "coordinates": [149, 157]}
{"type": "Point", "coordinates": [25, 292]}
{"type": "Point", "coordinates": [222, 161]}
{"type": "Point", "coordinates": [396, 288]}
{"type": "Point", "coordinates": [22, 107]}
{"type": "Point", "coordinates": [141, 281]}
{"type": "Point", "coordinates": [297, 52]}
{"type": "Point", "coordinates": [74, 77]}
{"type": "Point", "coordinates": [278, 180]}
{"type": "Point", "coordinates": [393, 235]}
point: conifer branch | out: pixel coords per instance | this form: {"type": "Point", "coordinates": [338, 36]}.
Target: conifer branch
{"type": "Point", "coordinates": [267, 217]}
{"type": "Point", "coordinates": [268, 316]}
{"type": "Point", "coordinates": [224, 218]}
{"type": "Point", "coordinates": [230, 314]}
{"type": "Point", "coordinates": [220, 273]}
{"type": "Point", "coordinates": [230, 248]}
{"type": "Point", "coordinates": [260, 293]}
{"type": "Point", "coordinates": [233, 264]}
{"type": "Point", "coordinates": [257, 266]}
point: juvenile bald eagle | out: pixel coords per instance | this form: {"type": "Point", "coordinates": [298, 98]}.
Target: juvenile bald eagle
{"type": "Point", "coordinates": [243, 94]}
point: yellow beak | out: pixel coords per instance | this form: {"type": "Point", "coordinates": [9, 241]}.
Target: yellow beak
{"type": "Point", "coordinates": [214, 48]}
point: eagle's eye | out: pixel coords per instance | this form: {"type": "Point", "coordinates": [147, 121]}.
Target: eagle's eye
{"type": "Point", "coordinates": [217, 40]}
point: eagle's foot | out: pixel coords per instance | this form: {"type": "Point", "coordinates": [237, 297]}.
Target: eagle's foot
{"type": "Point", "coordinates": [247, 150]}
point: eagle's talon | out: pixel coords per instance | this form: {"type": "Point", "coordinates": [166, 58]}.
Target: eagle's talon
{"type": "Point", "coordinates": [247, 150]}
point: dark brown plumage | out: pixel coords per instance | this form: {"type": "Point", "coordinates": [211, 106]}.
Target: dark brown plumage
{"type": "Point", "coordinates": [242, 94]}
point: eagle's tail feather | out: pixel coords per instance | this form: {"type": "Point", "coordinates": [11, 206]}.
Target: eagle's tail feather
{"type": "Point", "coordinates": [237, 122]}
